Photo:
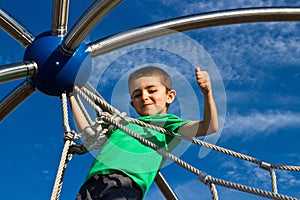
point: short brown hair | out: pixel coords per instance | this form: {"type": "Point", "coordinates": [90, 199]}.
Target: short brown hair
{"type": "Point", "coordinates": [152, 71]}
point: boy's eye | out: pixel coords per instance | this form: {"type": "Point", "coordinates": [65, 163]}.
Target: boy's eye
{"type": "Point", "coordinates": [137, 95]}
{"type": "Point", "coordinates": [152, 91]}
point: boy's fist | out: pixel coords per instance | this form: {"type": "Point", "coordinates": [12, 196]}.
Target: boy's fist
{"type": "Point", "coordinates": [203, 80]}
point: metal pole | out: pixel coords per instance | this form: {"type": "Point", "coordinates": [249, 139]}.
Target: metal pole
{"type": "Point", "coordinates": [192, 22]}
{"type": "Point", "coordinates": [16, 97]}
{"type": "Point", "coordinates": [85, 23]}
{"type": "Point", "coordinates": [164, 187]}
{"type": "Point", "coordinates": [15, 29]}
{"type": "Point", "coordinates": [17, 70]}
{"type": "Point", "coordinates": [60, 17]}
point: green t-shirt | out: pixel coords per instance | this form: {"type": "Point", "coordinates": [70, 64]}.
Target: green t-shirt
{"type": "Point", "coordinates": [124, 153]}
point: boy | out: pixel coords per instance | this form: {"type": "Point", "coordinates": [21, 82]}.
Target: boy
{"type": "Point", "coordinates": [125, 168]}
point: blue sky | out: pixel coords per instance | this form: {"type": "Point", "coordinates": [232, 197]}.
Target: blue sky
{"type": "Point", "coordinates": [255, 77]}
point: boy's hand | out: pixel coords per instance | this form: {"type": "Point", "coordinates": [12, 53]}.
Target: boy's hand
{"type": "Point", "coordinates": [203, 80]}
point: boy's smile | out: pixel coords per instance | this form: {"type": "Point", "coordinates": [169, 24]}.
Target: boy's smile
{"type": "Point", "coordinates": [149, 96]}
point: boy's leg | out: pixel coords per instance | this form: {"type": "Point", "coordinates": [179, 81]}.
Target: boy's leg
{"type": "Point", "coordinates": [110, 187]}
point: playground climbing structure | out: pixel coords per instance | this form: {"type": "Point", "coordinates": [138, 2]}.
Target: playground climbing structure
{"type": "Point", "coordinates": [53, 59]}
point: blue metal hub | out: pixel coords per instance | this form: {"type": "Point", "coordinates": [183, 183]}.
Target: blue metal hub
{"type": "Point", "coordinates": [57, 72]}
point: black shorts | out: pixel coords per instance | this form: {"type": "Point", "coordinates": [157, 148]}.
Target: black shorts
{"type": "Point", "coordinates": [117, 186]}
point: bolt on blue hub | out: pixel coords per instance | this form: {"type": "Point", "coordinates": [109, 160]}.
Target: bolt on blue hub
{"type": "Point", "coordinates": [57, 72]}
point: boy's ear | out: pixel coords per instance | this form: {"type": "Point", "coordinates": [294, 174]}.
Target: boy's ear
{"type": "Point", "coordinates": [131, 103]}
{"type": "Point", "coordinates": [171, 96]}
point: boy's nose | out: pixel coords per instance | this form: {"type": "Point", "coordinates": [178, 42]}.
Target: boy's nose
{"type": "Point", "coordinates": [145, 95]}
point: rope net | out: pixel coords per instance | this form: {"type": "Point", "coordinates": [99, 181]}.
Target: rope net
{"type": "Point", "coordinates": [110, 118]}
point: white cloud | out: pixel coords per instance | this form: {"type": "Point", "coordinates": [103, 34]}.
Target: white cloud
{"type": "Point", "coordinates": [188, 7]}
{"type": "Point", "coordinates": [236, 97]}
{"type": "Point", "coordinates": [235, 171]}
{"type": "Point", "coordinates": [239, 172]}
{"type": "Point", "coordinates": [285, 100]}
{"type": "Point", "coordinates": [169, 51]}
{"type": "Point", "coordinates": [46, 175]}
{"type": "Point", "coordinates": [258, 123]}
{"type": "Point", "coordinates": [245, 97]}
{"type": "Point", "coordinates": [193, 190]}
{"type": "Point", "coordinates": [246, 173]}
{"type": "Point", "coordinates": [287, 180]}
{"type": "Point", "coordinates": [244, 53]}
{"type": "Point", "coordinates": [236, 49]}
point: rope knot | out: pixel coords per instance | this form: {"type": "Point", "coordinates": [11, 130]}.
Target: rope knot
{"type": "Point", "coordinates": [265, 165]}
{"type": "Point", "coordinates": [202, 176]}
{"type": "Point", "coordinates": [70, 135]}
{"type": "Point", "coordinates": [117, 118]}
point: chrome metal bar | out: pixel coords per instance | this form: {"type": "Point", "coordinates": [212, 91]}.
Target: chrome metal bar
{"type": "Point", "coordinates": [86, 22]}
{"type": "Point", "coordinates": [17, 70]}
{"type": "Point", "coordinates": [60, 16]}
{"type": "Point", "coordinates": [15, 29]}
{"type": "Point", "coordinates": [192, 22]}
{"type": "Point", "coordinates": [164, 187]}
{"type": "Point", "coordinates": [15, 98]}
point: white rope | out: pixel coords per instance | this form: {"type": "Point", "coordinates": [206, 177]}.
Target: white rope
{"type": "Point", "coordinates": [65, 157]}
{"type": "Point", "coordinates": [273, 178]}
{"type": "Point", "coordinates": [213, 190]}
{"type": "Point", "coordinates": [206, 179]}
{"type": "Point", "coordinates": [60, 172]}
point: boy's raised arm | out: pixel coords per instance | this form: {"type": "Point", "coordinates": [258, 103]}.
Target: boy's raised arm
{"type": "Point", "coordinates": [80, 121]}
{"type": "Point", "coordinates": [209, 124]}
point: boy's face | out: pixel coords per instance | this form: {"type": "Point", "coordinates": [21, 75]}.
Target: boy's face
{"type": "Point", "coordinates": [149, 96]}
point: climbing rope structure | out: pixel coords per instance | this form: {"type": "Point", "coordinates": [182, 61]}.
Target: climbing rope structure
{"type": "Point", "coordinates": [53, 59]}
{"type": "Point", "coordinates": [108, 115]}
